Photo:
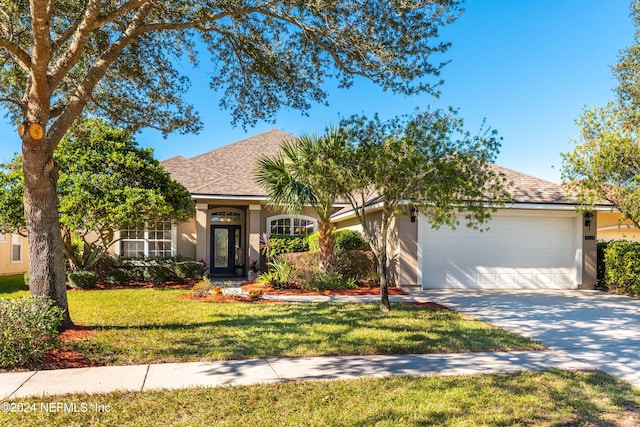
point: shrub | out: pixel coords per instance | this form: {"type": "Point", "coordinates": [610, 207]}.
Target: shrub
{"type": "Point", "coordinates": [116, 277]}
{"type": "Point", "coordinates": [345, 240]}
{"type": "Point", "coordinates": [256, 294]}
{"type": "Point", "coordinates": [202, 288]}
{"type": "Point", "coordinates": [83, 279]}
{"type": "Point", "coordinates": [28, 328]}
{"type": "Point", "coordinates": [622, 261]}
{"type": "Point", "coordinates": [600, 265]}
{"type": "Point", "coordinates": [328, 281]}
{"type": "Point", "coordinates": [357, 264]}
{"type": "Point", "coordinates": [26, 278]}
{"type": "Point", "coordinates": [280, 244]}
{"type": "Point", "coordinates": [157, 273]}
{"type": "Point", "coordinates": [279, 276]}
{"type": "Point", "coordinates": [188, 269]}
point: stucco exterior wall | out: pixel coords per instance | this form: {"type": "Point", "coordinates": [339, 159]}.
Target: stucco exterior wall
{"type": "Point", "coordinates": [186, 239]}
{"type": "Point", "coordinates": [6, 265]}
{"type": "Point", "coordinates": [610, 228]}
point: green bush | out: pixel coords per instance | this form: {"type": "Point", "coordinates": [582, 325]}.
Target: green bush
{"type": "Point", "coordinates": [622, 262]}
{"type": "Point", "coordinates": [600, 265]}
{"type": "Point", "coordinates": [26, 278]}
{"type": "Point", "coordinates": [28, 329]}
{"type": "Point", "coordinates": [157, 274]}
{"type": "Point", "coordinates": [279, 276]}
{"type": "Point", "coordinates": [83, 279]}
{"type": "Point", "coordinates": [345, 240]}
{"type": "Point", "coordinates": [280, 244]}
{"type": "Point", "coordinates": [188, 269]}
{"type": "Point", "coordinates": [203, 288]}
{"type": "Point", "coordinates": [117, 277]}
{"type": "Point", "coordinates": [357, 264]}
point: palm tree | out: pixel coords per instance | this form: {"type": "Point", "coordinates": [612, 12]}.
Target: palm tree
{"type": "Point", "coordinates": [301, 175]}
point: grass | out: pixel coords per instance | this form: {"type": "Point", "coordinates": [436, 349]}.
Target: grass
{"type": "Point", "coordinates": [550, 398]}
{"type": "Point", "coordinates": [12, 285]}
{"type": "Point", "coordinates": [155, 325]}
{"type": "Point", "coordinates": [151, 325]}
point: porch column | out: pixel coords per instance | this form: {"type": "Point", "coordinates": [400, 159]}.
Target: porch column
{"type": "Point", "coordinates": [202, 221]}
{"type": "Point", "coordinates": [589, 251]}
{"type": "Point", "coordinates": [253, 231]}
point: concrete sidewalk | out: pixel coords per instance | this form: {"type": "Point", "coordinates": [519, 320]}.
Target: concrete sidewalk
{"type": "Point", "coordinates": [14, 385]}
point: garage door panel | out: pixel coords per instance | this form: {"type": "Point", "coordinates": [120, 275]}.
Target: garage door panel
{"type": "Point", "coordinates": [515, 253]}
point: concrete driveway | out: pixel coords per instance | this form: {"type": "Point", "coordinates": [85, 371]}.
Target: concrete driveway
{"type": "Point", "coordinates": [590, 326]}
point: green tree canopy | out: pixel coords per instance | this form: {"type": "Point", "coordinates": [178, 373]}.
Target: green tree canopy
{"type": "Point", "coordinates": [301, 175]}
{"type": "Point", "coordinates": [425, 161]}
{"type": "Point", "coordinates": [604, 166]}
{"type": "Point", "coordinates": [106, 183]}
{"type": "Point", "coordinates": [122, 60]}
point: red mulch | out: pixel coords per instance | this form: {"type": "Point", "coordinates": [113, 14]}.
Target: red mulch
{"type": "Point", "coordinates": [361, 290]}
{"type": "Point", "coordinates": [63, 358]}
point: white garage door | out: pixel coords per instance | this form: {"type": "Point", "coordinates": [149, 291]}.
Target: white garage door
{"type": "Point", "coordinates": [518, 252]}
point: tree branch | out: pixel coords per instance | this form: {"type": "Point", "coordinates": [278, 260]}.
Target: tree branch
{"type": "Point", "coordinates": [39, 90]}
{"type": "Point", "coordinates": [20, 56]}
{"type": "Point", "coordinates": [73, 54]}
{"type": "Point", "coordinates": [21, 105]}
{"type": "Point", "coordinates": [83, 91]}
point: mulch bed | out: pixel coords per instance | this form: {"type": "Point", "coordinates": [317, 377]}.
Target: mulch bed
{"type": "Point", "coordinates": [361, 290]}
{"type": "Point", "coordinates": [64, 357]}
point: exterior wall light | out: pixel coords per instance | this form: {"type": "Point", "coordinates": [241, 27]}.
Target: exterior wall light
{"type": "Point", "coordinates": [588, 217]}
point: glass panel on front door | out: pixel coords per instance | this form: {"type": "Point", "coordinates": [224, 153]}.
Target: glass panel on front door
{"type": "Point", "coordinates": [226, 249]}
{"type": "Point", "coordinates": [221, 248]}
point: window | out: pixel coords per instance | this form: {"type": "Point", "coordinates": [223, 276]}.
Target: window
{"type": "Point", "coordinates": [16, 248]}
{"type": "Point", "coordinates": [292, 225]}
{"type": "Point", "coordinates": [157, 240]}
{"type": "Point", "coordinates": [3, 238]}
{"type": "Point", "coordinates": [226, 216]}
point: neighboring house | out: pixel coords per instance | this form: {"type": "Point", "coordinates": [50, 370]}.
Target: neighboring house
{"type": "Point", "coordinates": [14, 254]}
{"type": "Point", "coordinates": [537, 241]}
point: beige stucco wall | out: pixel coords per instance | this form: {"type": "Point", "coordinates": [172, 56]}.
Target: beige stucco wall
{"type": "Point", "coordinates": [589, 253]}
{"type": "Point", "coordinates": [610, 228]}
{"type": "Point", "coordinates": [6, 266]}
{"type": "Point", "coordinates": [186, 239]}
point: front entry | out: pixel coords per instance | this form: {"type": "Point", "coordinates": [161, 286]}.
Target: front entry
{"type": "Point", "coordinates": [225, 249]}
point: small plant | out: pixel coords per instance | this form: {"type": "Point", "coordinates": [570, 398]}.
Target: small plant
{"type": "Point", "coordinates": [279, 275]}
{"type": "Point", "coordinates": [83, 279]}
{"type": "Point", "coordinates": [29, 328]}
{"type": "Point", "coordinates": [157, 274]}
{"type": "Point", "coordinates": [116, 277]}
{"type": "Point", "coordinates": [256, 294]}
{"type": "Point", "coordinates": [217, 290]}
{"type": "Point", "coordinates": [203, 288]}
{"type": "Point", "coordinates": [26, 276]}
{"type": "Point", "coordinates": [188, 270]}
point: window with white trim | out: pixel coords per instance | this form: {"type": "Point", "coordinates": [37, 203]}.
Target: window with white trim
{"type": "Point", "coordinates": [3, 238]}
{"type": "Point", "coordinates": [16, 248]}
{"type": "Point", "coordinates": [156, 240]}
{"type": "Point", "coordinates": [291, 224]}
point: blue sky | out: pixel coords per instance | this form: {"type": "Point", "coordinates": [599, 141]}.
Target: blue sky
{"type": "Point", "coordinates": [526, 66]}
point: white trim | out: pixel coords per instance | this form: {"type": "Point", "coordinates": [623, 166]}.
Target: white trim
{"type": "Point", "coordinates": [240, 212]}
{"type": "Point", "coordinates": [3, 237]}
{"type": "Point", "coordinates": [145, 239]}
{"type": "Point", "coordinates": [291, 217]}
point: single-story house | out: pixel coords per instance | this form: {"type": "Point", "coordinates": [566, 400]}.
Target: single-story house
{"type": "Point", "coordinates": [537, 241]}
{"type": "Point", "coordinates": [14, 254]}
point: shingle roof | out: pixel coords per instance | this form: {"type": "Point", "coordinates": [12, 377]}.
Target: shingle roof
{"type": "Point", "coordinates": [229, 171]}
{"type": "Point", "coordinates": [530, 189]}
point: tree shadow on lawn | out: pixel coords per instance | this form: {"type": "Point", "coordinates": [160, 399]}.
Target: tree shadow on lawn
{"type": "Point", "coordinates": [305, 330]}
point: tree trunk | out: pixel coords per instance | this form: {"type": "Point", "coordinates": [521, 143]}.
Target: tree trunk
{"type": "Point", "coordinates": [47, 272]}
{"type": "Point", "coordinates": [327, 255]}
{"type": "Point", "coordinates": [385, 305]}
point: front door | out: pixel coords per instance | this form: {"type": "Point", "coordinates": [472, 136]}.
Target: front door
{"type": "Point", "coordinates": [225, 249]}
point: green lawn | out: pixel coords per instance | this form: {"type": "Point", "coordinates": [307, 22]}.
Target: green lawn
{"type": "Point", "coordinates": [552, 398]}
{"type": "Point", "coordinates": [155, 325]}
{"type": "Point", "coordinates": [12, 286]}
{"type": "Point", "coordinates": [151, 325]}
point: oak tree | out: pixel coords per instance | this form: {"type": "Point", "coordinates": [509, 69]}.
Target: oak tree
{"type": "Point", "coordinates": [121, 60]}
